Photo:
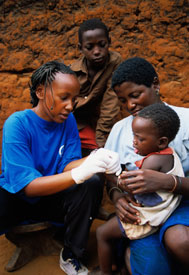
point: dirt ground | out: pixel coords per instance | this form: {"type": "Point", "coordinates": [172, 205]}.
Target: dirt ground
{"type": "Point", "coordinates": [48, 265]}
{"type": "Point", "coordinates": [45, 265]}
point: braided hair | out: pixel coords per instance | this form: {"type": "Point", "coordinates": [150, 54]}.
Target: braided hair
{"type": "Point", "coordinates": [45, 75]}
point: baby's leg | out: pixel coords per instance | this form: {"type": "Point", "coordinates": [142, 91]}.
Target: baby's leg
{"type": "Point", "coordinates": [106, 233]}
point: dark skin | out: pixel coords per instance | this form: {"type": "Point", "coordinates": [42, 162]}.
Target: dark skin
{"type": "Point", "coordinates": [146, 181]}
{"type": "Point", "coordinates": [95, 47]}
{"type": "Point", "coordinates": [146, 140]}
{"type": "Point", "coordinates": [134, 98]}
{"type": "Point", "coordinates": [65, 90]}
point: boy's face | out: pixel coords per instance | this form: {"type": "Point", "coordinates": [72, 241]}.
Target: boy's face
{"type": "Point", "coordinates": [146, 139]}
{"type": "Point", "coordinates": [95, 46]}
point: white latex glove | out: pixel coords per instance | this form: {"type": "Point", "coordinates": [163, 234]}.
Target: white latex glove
{"type": "Point", "coordinates": [113, 166]}
{"type": "Point", "coordinates": [92, 165]}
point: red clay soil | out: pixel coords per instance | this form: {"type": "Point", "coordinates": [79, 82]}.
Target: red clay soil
{"type": "Point", "coordinates": [45, 265]}
{"type": "Point", "coordinates": [49, 265]}
{"type": "Point", "coordinates": [34, 32]}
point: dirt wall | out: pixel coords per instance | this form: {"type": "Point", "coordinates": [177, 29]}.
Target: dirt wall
{"type": "Point", "coordinates": [33, 32]}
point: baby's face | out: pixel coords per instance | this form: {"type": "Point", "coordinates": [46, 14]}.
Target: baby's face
{"type": "Point", "coordinates": [146, 139]}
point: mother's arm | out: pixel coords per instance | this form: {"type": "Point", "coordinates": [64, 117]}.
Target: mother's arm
{"type": "Point", "coordinates": [147, 181]}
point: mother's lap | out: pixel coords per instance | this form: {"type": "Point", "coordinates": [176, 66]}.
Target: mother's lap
{"type": "Point", "coordinates": [148, 255]}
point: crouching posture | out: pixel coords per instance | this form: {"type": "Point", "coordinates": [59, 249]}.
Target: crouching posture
{"type": "Point", "coordinates": [43, 176]}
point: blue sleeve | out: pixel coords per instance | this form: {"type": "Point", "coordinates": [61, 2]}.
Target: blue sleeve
{"type": "Point", "coordinates": [18, 167]}
{"type": "Point", "coordinates": [72, 150]}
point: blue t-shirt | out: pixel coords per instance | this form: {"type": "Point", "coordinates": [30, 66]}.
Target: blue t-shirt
{"type": "Point", "coordinates": [34, 147]}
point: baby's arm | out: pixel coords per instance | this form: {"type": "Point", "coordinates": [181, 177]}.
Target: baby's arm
{"type": "Point", "coordinates": [161, 163]}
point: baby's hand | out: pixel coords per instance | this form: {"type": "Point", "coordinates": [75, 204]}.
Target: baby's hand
{"type": "Point", "coordinates": [124, 187]}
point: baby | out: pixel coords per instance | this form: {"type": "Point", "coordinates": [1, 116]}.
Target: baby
{"type": "Point", "coordinates": [153, 128]}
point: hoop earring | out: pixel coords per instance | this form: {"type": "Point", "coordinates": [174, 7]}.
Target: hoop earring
{"type": "Point", "coordinates": [157, 92]}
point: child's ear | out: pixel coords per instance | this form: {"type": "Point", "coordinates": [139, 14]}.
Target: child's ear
{"type": "Point", "coordinates": [163, 143]}
{"type": "Point", "coordinates": [40, 92]}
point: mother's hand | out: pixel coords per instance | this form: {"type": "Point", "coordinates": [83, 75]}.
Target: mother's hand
{"type": "Point", "coordinates": [125, 211]}
{"type": "Point", "coordinates": [145, 181]}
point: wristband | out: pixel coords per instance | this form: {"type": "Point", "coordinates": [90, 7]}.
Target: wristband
{"type": "Point", "coordinates": [179, 180]}
{"type": "Point", "coordinates": [114, 188]}
{"type": "Point", "coordinates": [175, 184]}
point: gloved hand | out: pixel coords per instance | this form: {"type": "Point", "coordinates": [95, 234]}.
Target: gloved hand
{"type": "Point", "coordinates": [92, 165]}
{"type": "Point", "coordinates": [99, 161]}
{"type": "Point", "coordinates": [113, 166]}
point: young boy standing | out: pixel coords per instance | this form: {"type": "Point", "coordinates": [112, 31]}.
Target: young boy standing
{"type": "Point", "coordinates": [97, 104]}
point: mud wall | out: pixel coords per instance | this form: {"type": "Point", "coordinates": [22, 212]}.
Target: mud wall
{"type": "Point", "coordinates": [33, 32]}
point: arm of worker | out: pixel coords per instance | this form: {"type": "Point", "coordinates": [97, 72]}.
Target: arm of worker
{"type": "Point", "coordinates": [101, 161]}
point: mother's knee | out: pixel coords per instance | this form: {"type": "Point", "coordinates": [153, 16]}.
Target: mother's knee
{"type": "Point", "coordinates": [176, 239]}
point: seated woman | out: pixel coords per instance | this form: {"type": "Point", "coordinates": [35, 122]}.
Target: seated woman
{"type": "Point", "coordinates": [43, 176]}
{"type": "Point", "coordinates": [153, 128]}
{"type": "Point", "coordinates": [137, 85]}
